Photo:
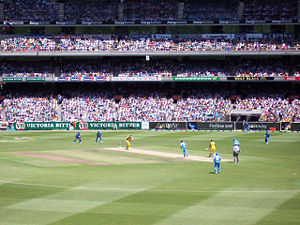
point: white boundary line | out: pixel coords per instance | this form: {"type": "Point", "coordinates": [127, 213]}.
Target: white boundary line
{"type": "Point", "coordinates": [144, 189]}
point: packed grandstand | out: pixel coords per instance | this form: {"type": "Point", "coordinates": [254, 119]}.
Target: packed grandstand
{"type": "Point", "coordinates": [149, 61]}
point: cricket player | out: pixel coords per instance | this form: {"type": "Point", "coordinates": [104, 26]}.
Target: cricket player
{"type": "Point", "coordinates": [183, 148]}
{"type": "Point", "coordinates": [236, 150]}
{"type": "Point", "coordinates": [78, 136]}
{"type": "Point", "coordinates": [212, 148]}
{"type": "Point", "coordinates": [128, 141]}
{"type": "Point", "coordinates": [267, 136]}
{"type": "Point", "coordinates": [99, 135]}
{"type": "Point", "coordinates": [217, 160]}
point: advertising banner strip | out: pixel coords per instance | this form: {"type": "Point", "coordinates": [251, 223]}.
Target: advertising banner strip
{"type": "Point", "coordinates": [215, 125]}
{"type": "Point", "coordinates": [79, 79]}
{"type": "Point", "coordinates": [259, 125]}
{"type": "Point", "coordinates": [167, 125]}
{"type": "Point", "coordinates": [12, 79]}
{"type": "Point", "coordinates": [295, 126]}
{"type": "Point", "coordinates": [250, 78]}
{"type": "Point", "coordinates": [42, 126]}
{"type": "Point", "coordinates": [292, 78]}
{"type": "Point", "coordinates": [109, 125]}
{"type": "Point", "coordinates": [35, 79]}
{"type": "Point", "coordinates": [195, 78]}
{"type": "Point", "coordinates": [136, 78]}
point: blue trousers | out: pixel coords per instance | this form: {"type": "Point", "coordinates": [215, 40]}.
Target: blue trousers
{"type": "Point", "coordinates": [217, 167]}
{"type": "Point", "coordinates": [185, 153]}
{"type": "Point", "coordinates": [99, 137]}
{"type": "Point", "coordinates": [266, 139]}
{"type": "Point", "coordinates": [77, 138]}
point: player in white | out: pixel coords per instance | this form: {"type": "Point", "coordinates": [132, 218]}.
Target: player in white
{"type": "Point", "coordinates": [236, 149]}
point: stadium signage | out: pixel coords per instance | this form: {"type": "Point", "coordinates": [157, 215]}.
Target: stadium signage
{"type": "Point", "coordinates": [19, 126]}
{"type": "Point", "coordinates": [35, 79]}
{"type": "Point", "coordinates": [203, 22]}
{"type": "Point", "coordinates": [215, 125]}
{"type": "Point", "coordinates": [259, 125]}
{"type": "Point", "coordinates": [124, 22]}
{"type": "Point", "coordinates": [195, 78]}
{"type": "Point", "coordinates": [176, 22]}
{"type": "Point", "coordinates": [91, 23]}
{"type": "Point", "coordinates": [167, 125]}
{"type": "Point", "coordinates": [255, 21]}
{"type": "Point", "coordinates": [79, 79]}
{"type": "Point", "coordinates": [150, 22]}
{"type": "Point", "coordinates": [229, 22]}
{"type": "Point", "coordinates": [136, 78]}
{"type": "Point", "coordinates": [292, 78]}
{"type": "Point", "coordinates": [295, 126]}
{"type": "Point", "coordinates": [250, 78]}
{"type": "Point", "coordinates": [114, 125]}
{"type": "Point", "coordinates": [42, 126]}
{"type": "Point", "coordinates": [12, 79]}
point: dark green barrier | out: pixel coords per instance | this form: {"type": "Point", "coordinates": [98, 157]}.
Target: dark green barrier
{"type": "Point", "coordinates": [167, 125]}
{"type": "Point", "coordinates": [42, 126]}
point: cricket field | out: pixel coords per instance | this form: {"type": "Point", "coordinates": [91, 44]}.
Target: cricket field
{"type": "Point", "coordinates": [46, 179]}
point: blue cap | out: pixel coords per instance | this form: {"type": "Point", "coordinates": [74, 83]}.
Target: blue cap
{"type": "Point", "coordinates": [216, 153]}
{"type": "Point", "coordinates": [233, 139]}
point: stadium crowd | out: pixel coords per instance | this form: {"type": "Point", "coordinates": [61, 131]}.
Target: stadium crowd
{"type": "Point", "coordinates": [278, 10]}
{"type": "Point", "coordinates": [139, 67]}
{"type": "Point", "coordinates": [273, 107]}
{"type": "Point", "coordinates": [87, 108]}
{"type": "Point", "coordinates": [209, 11]}
{"type": "Point", "coordinates": [43, 11]}
{"type": "Point", "coordinates": [26, 69]}
{"type": "Point", "coordinates": [85, 12]}
{"type": "Point", "coordinates": [150, 10]}
{"type": "Point", "coordinates": [28, 109]}
{"type": "Point", "coordinates": [45, 44]}
{"type": "Point", "coordinates": [147, 108]}
{"type": "Point", "coordinates": [90, 11]}
{"type": "Point", "coordinates": [90, 68]}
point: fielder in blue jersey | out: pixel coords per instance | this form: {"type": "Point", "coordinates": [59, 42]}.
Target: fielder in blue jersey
{"type": "Point", "coordinates": [183, 148]}
{"type": "Point", "coordinates": [217, 160]}
{"type": "Point", "coordinates": [99, 135]}
{"type": "Point", "coordinates": [77, 137]}
{"type": "Point", "coordinates": [267, 136]}
{"type": "Point", "coordinates": [236, 142]}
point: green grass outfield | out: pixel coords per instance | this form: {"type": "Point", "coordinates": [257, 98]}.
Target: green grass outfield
{"type": "Point", "coordinates": [135, 189]}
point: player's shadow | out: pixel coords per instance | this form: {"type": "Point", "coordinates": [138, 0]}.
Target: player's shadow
{"type": "Point", "coordinates": [211, 173]}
